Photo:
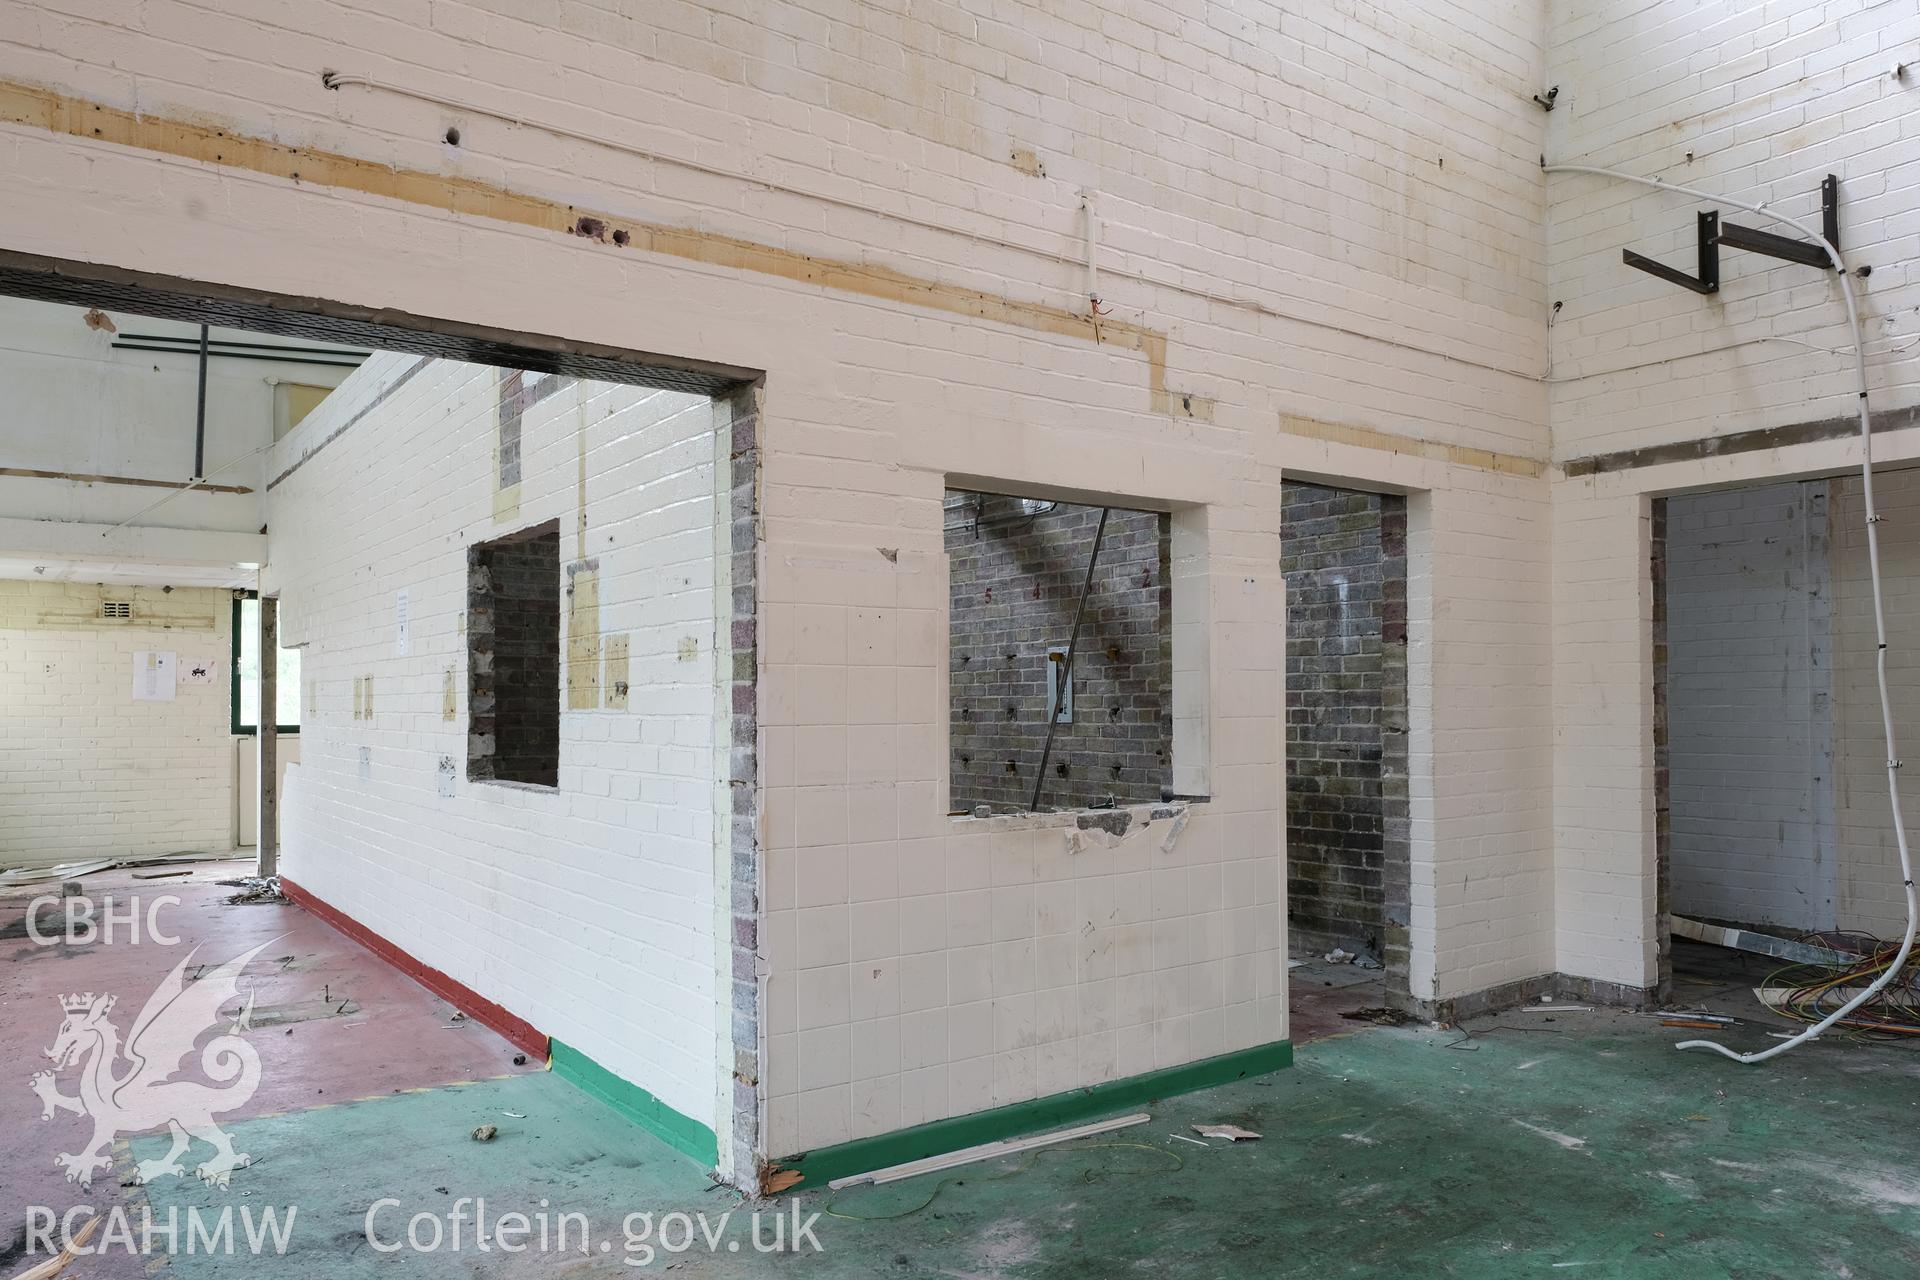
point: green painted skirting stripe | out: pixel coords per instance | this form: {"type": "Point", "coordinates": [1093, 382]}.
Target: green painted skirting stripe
{"type": "Point", "coordinates": [1076, 1106]}
{"type": "Point", "coordinates": [682, 1133]}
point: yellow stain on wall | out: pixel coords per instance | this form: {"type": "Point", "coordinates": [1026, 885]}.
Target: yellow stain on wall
{"type": "Point", "coordinates": [583, 636]}
{"type": "Point", "coordinates": [1454, 454]}
{"type": "Point", "coordinates": [205, 143]}
{"type": "Point", "coordinates": [618, 673]}
{"type": "Point", "coordinates": [39, 605]}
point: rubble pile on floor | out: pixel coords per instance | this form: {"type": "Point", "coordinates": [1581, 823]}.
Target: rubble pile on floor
{"type": "Point", "coordinates": [254, 889]}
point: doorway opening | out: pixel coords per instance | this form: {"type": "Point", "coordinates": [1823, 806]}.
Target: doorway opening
{"type": "Point", "coordinates": [1344, 554]}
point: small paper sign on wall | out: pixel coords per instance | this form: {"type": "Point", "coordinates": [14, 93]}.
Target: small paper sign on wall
{"type": "Point", "coordinates": [154, 671]}
{"type": "Point", "coordinates": [196, 671]}
{"type": "Point", "coordinates": [402, 622]}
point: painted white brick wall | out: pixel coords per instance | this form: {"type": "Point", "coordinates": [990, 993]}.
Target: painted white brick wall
{"type": "Point", "coordinates": [586, 909]}
{"type": "Point", "coordinates": [1870, 893]}
{"type": "Point", "coordinates": [1759, 102]}
{"type": "Point", "coordinates": [85, 770]}
{"type": "Point", "coordinates": [923, 966]}
{"type": "Point", "coordinates": [1603, 784]}
{"type": "Point", "coordinates": [1750, 726]}
{"type": "Point", "coordinates": [1329, 190]}
{"type": "Point", "coordinates": [1480, 695]}
{"type": "Point", "coordinates": [1272, 196]}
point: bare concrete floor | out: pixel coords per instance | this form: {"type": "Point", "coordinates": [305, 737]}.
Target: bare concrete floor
{"type": "Point", "coordinates": [1527, 1144]}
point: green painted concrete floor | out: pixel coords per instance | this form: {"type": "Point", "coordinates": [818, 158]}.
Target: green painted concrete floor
{"type": "Point", "coordinates": [1585, 1145]}
{"type": "Point", "coordinates": [1529, 1144]}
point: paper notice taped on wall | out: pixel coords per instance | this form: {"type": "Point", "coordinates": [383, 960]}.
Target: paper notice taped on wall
{"type": "Point", "coordinates": [402, 621]}
{"type": "Point", "coordinates": [154, 671]}
{"type": "Point", "coordinates": [196, 670]}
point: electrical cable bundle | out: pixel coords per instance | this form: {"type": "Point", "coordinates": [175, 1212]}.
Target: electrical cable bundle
{"type": "Point", "coordinates": [1814, 992]}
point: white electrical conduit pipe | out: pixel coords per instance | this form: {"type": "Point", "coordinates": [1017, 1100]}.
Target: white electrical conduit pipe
{"type": "Point", "coordinates": [1090, 209]}
{"type": "Point", "coordinates": [1879, 607]}
{"type": "Point", "coordinates": [1296, 310]}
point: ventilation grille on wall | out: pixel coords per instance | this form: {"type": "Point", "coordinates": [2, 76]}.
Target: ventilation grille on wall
{"type": "Point", "coordinates": [116, 609]}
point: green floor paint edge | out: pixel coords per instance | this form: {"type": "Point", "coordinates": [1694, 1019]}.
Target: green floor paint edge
{"type": "Point", "coordinates": [1076, 1106]}
{"type": "Point", "coordinates": [683, 1133]}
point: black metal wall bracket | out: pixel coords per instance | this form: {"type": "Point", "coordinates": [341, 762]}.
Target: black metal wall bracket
{"type": "Point", "coordinates": [1708, 279]}
{"type": "Point", "coordinates": [1786, 247]}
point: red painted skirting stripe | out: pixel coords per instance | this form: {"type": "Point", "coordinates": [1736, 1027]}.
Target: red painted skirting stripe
{"type": "Point", "coordinates": [523, 1034]}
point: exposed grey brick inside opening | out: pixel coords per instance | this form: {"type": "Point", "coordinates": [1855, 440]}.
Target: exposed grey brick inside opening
{"type": "Point", "coordinates": [1344, 557]}
{"type": "Point", "coordinates": [513, 657]}
{"type": "Point", "coordinates": [1015, 581]}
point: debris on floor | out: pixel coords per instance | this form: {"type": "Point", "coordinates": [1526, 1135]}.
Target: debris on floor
{"type": "Point", "coordinates": [985, 1151]}
{"type": "Point", "coordinates": [18, 876]}
{"type": "Point", "coordinates": [1381, 1016]}
{"type": "Point", "coordinates": [254, 889]}
{"type": "Point", "coordinates": [1231, 1132]}
{"type": "Point", "coordinates": [485, 1133]}
{"type": "Point", "coordinates": [1764, 944]}
{"type": "Point", "coordinates": [53, 1266]}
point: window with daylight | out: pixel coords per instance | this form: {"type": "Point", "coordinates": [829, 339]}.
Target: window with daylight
{"type": "Point", "coordinates": [245, 689]}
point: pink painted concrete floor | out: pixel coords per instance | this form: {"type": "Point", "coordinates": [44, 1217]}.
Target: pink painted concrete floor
{"type": "Point", "coordinates": [1320, 994]}
{"type": "Point", "coordinates": [331, 1022]}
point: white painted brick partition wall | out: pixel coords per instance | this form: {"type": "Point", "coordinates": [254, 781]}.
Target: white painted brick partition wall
{"type": "Point", "coordinates": [1869, 893]}
{"type": "Point", "coordinates": [1767, 99]}
{"type": "Point", "coordinates": [588, 909]}
{"type": "Point", "coordinates": [86, 771]}
{"type": "Point", "coordinates": [1272, 199]}
{"type": "Point", "coordinates": [1749, 706]}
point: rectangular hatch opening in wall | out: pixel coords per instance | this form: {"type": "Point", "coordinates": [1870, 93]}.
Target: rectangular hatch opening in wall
{"type": "Point", "coordinates": [513, 657]}
{"type": "Point", "coordinates": [1093, 710]}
